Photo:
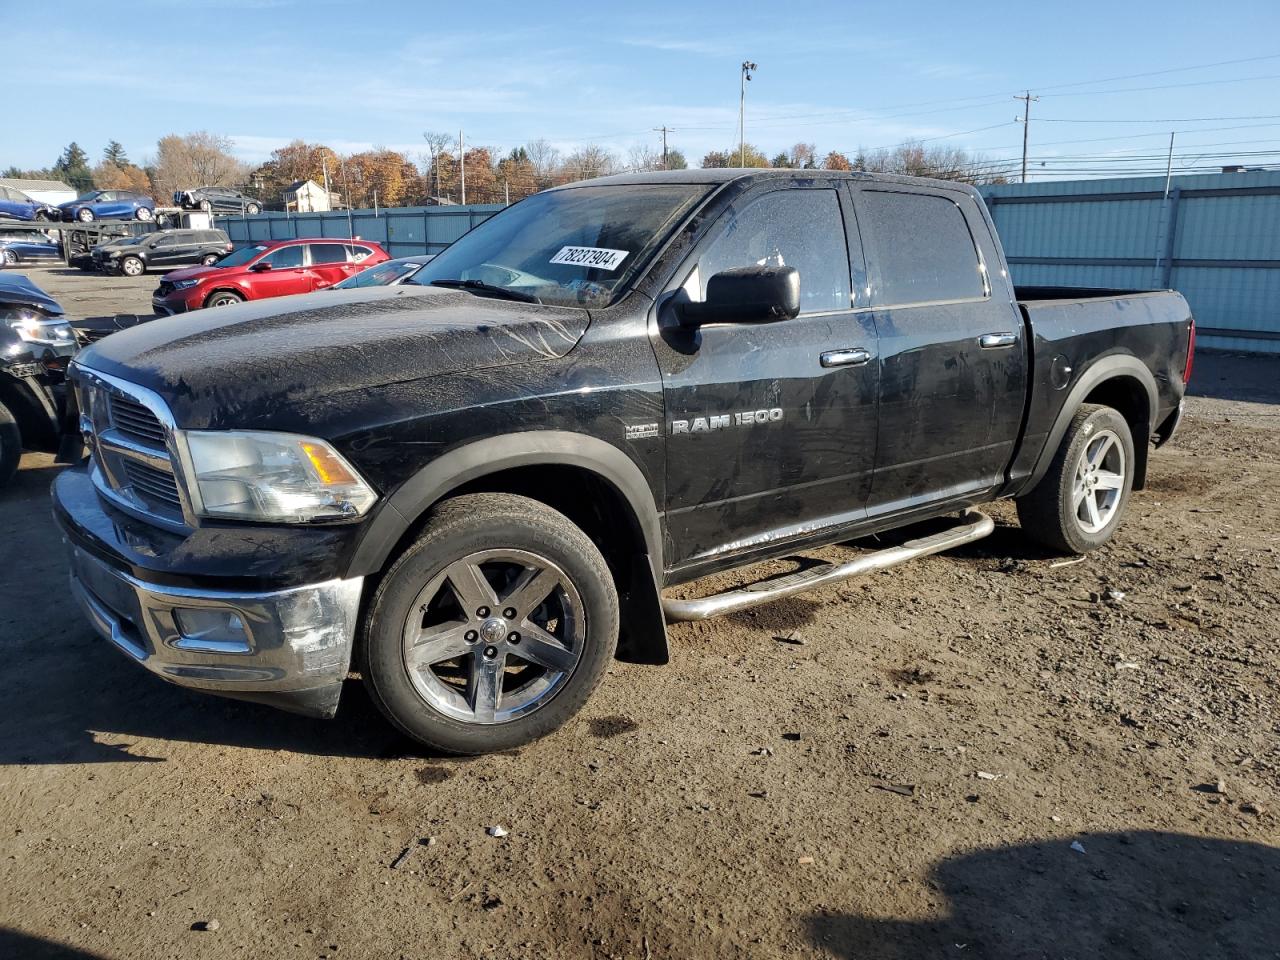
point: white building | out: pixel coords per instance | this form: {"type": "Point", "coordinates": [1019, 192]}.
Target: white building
{"type": "Point", "coordinates": [52, 192]}
{"type": "Point", "coordinates": [307, 196]}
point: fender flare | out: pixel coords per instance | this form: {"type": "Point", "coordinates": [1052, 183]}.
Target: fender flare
{"type": "Point", "coordinates": [1104, 369]}
{"type": "Point", "coordinates": [494, 454]}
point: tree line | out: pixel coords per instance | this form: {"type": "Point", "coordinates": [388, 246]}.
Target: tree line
{"type": "Point", "coordinates": [438, 174]}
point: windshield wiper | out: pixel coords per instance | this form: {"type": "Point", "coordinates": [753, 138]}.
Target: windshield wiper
{"type": "Point", "coordinates": [480, 286]}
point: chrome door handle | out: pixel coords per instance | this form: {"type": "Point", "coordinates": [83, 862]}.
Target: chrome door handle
{"type": "Point", "coordinates": [854, 357]}
{"type": "Point", "coordinates": [990, 341]}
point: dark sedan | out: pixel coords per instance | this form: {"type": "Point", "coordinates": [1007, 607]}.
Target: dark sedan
{"type": "Point", "coordinates": [217, 200]}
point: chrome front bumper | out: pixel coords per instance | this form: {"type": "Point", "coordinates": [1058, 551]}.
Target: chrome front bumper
{"type": "Point", "coordinates": [293, 649]}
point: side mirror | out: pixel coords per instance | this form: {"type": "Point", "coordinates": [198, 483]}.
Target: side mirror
{"type": "Point", "coordinates": [261, 266]}
{"type": "Point", "coordinates": [747, 295]}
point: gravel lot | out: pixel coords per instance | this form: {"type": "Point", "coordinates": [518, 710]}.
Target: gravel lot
{"type": "Point", "coordinates": [984, 754]}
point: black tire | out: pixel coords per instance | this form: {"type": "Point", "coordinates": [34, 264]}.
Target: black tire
{"type": "Point", "coordinates": [145, 214]}
{"type": "Point", "coordinates": [223, 298]}
{"type": "Point", "coordinates": [460, 530]}
{"type": "Point", "coordinates": [208, 260]}
{"type": "Point", "coordinates": [10, 445]}
{"type": "Point", "coordinates": [252, 209]}
{"type": "Point", "coordinates": [11, 258]}
{"type": "Point", "coordinates": [1055, 513]}
{"type": "Point", "coordinates": [84, 215]}
{"type": "Point", "coordinates": [132, 267]}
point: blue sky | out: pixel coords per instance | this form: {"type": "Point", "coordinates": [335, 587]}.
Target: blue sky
{"type": "Point", "coordinates": [840, 75]}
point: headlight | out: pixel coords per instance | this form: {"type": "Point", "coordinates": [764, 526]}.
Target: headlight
{"type": "Point", "coordinates": [273, 476]}
{"type": "Point", "coordinates": [35, 328]}
{"type": "Point", "coordinates": [184, 284]}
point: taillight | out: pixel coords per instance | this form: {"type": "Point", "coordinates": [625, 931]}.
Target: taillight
{"type": "Point", "coordinates": [1191, 352]}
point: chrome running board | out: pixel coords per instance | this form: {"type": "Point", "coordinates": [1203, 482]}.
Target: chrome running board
{"type": "Point", "coordinates": [970, 526]}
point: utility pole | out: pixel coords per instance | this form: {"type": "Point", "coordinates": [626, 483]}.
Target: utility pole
{"type": "Point", "coordinates": [747, 67]}
{"type": "Point", "coordinates": [462, 164]}
{"type": "Point", "coordinates": [1168, 170]}
{"type": "Point", "coordinates": [1026, 128]}
{"type": "Point", "coordinates": [664, 131]}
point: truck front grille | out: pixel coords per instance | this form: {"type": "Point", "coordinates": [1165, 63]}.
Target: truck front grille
{"type": "Point", "coordinates": [129, 443]}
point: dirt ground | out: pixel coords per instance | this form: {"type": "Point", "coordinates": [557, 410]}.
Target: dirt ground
{"type": "Point", "coordinates": [989, 753]}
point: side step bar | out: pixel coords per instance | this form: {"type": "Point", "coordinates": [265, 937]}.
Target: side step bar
{"type": "Point", "coordinates": [971, 525]}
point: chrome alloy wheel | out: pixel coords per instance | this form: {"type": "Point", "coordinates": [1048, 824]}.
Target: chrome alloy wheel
{"type": "Point", "coordinates": [494, 636]}
{"type": "Point", "coordinates": [1099, 481]}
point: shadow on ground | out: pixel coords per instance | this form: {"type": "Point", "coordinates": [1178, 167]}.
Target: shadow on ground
{"type": "Point", "coordinates": [21, 946]}
{"type": "Point", "coordinates": [1138, 896]}
{"type": "Point", "coordinates": [1226, 376]}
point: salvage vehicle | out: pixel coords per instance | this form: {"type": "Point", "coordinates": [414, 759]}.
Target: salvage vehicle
{"type": "Point", "coordinates": [217, 200]}
{"type": "Point", "coordinates": [32, 247]}
{"type": "Point", "coordinates": [273, 268]}
{"type": "Point", "coordinates": [35, 345]}
{"type": "Point", "coordinates": [16, 205]}
{"type": "Point", "coordinates": [165, 249]}
{"type": "Point", "coordinates": [386, 274]}
{"type": "Point", "coordinates": [484, 484]}
{"type": "Point", "coordinates": [109, 205]}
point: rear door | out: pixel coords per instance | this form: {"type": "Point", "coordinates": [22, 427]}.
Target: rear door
{"type": "Point", "coordinates": [952, 361]}
{"type": "Point", "coordinates": [770, 433]}
{"type": "Point", "coordinates": [330, 263]}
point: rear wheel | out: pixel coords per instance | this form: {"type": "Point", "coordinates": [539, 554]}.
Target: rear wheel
{"type": "Point", "coordinates": [492, 629]}
{"type": "Point", "coordinates": [252, 209]}
{"type": "Point", "coordinates": [84, 215]}
{"type": "Point", "coordinates": [223, 298]}
{"type": "Point", "coordinates": [206, 206]}
{"type": "Point", "coordinates": [10, 258]}
{"type": "Point", "coordinates": [209, 260]}
{"type": "Point", "coordinates": [145, 214]}
{"type": "Point", "coordinates": [1079, 503]}
{"type": "Point", "coordinates": [10, 445]}
{"type": "Point", "coordinates": [132, 267]}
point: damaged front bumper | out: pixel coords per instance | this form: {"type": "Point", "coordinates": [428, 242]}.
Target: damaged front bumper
{"type": "Point", "coordinates": [287, 648]}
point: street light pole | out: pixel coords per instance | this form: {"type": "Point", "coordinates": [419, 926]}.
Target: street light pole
{"type": "Point", "coordinates": [747, 67]}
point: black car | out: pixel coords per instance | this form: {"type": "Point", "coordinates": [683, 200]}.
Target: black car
{"type": "Point", "coordinates": [35, 344]}
{"type": "Point", "coordinates": [164, 249]}
{"type": "Point", "coordinates": [217, 200]}
{"type": "Point", "coordinates": [488, 482]}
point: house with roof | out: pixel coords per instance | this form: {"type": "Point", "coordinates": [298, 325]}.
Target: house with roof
{"type": "Point", "coordinates": [52, 192]}
{"type": "Point", "coordinates": [307, 196]}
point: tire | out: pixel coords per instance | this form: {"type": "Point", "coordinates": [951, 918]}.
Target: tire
{"type": "Point", "coordinates": [84, 215]}
{"type": "Point", "coordinates": [206, 206]}
{"type": "Point", "coordinates": [10, 258]}
{"type": "Point", "coordinates": [544, 678]}
{"type": "Point", "coordinates": [1078, 505]}
{"type": "Point", "coordinates": [209, 260]}
{"type": "Point", "coordinates": [223, 298]}
{"type": "Point", "coordinates": [10, 445]}
{"type": "Point", "coordinates": [145, 214]}
{"type": "Point", "coordinates": [132, 267]}
{"type": "Point", "coordinates": [252, 209]}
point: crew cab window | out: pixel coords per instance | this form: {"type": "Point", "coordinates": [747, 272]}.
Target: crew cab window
{"type": "Point", "coordinates": [328, 253]}
{"type": "Point", "coordinates": [164, 241]}
{"type": "Point", "coordinates": [285, 257]}
{"type": "Point", "coordinates": [787, 228]}
{"type": "Point", "coordinates": [923, 248]}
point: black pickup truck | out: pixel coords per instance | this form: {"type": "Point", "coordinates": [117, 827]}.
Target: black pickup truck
{"type": "Point", "coordinates": [477, 488]}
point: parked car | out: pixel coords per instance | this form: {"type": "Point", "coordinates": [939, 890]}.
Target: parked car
{"type": "Point", "coordinates": [27, 248]}
{"type": "Point", "coordinates": [16, 205]}
{"type": "Point", "coordinates": [35, 345]}
{"type": "Point", "coordinates": [484, 482]}
{"type": "Point", "coordinates": [164, 249]}
{"type": "Point", "coordinates": [108, 205]}
{"type": "Point", "coordinates": [270, 269]}
{"type": "Point", "coordinates": [217, 200]}
{"type": "Point", "coordinates": [389, 273]}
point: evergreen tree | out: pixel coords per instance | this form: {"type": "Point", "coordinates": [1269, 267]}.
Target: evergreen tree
{"type": "Point", "coordinates": [73, 167]}
{"type": "Point", "coordinates": [113, 154]}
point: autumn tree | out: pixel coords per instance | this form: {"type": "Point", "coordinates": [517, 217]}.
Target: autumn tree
{"type": "Point", "coordinates": [733, 157]}
{"type": "Point", "coordinates": [377, 174]}
{"type": "Point", "coordinates": [517, 175]}
{"type": "Point", "coordinates": [587, 162]}
{"type": "Point", "coordinates": [545, 160]}
{"type": "Point", "coordinates": [835, 160]}
{"type": "Point", "coordinates": [109, 176]}
{"type": "Point", "coordinates": [199, 159]}
{"type": "Point", "coordinates": [939, 162]}
{"type": "Point", "coordinates": [295, 161]}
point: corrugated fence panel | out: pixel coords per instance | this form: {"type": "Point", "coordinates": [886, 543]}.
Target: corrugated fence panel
{"type": "Point", "coordinates": [1223, 255]}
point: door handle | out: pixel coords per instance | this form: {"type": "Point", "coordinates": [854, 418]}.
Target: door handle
{"type": "Point", "coordinates": [853, 357]}
{"type": "Point", "coordinates": [992, 341]}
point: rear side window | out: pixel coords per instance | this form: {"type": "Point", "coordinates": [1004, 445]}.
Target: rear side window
{"type": "Point", "coordinates": [358, 253]}
{"type": "Point", "coordinates": [328, 253]}
{"type": "Point", "coordinates": [923, 248]}
{"type": "Point", "coordinates": [788, 228]}
{"type": "Point", "coordinates": [216, 236]}
{"type": "Point", "coordinates": [285, 257]}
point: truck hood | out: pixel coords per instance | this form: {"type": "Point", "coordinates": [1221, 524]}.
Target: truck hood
{"type": "Point", "coordinates": [232, 366]}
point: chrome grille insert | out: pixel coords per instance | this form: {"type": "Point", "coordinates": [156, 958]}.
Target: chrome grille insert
{"type": "Point", "coordinates": [134, 420]}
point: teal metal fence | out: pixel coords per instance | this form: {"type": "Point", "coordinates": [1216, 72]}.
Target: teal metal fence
{"type": "Point", "coordinates": [1214, 237]}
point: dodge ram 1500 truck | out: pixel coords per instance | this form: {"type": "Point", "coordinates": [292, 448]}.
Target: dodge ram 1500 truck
{"type": "Point", "coordinates": [478, 488]}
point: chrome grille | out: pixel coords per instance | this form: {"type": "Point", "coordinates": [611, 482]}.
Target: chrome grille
{"type": "Point", "coordinates": [136, 421]}
{"type": "Point", "coordinates": [125, 428]}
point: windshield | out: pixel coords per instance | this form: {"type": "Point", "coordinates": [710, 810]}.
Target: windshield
{"type": "Point", "coordinates": [381, 275]}
{"type": "Point", "coordinates": [577, 247]}
{"type": "Point", "coordinates": [91, 195]}
{"type": "Point", "coordinates": [240, 257]}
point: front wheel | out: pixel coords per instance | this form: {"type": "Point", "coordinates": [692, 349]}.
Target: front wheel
{"type": "Point", "coordinates": [1078, 504]}
{"type": "Point", "coordinates": [208, 260]}
{"type": "Point", "coordinates": [224, 298]}
{"type": "Point", "coordinates": [492, 628]}
{"type": "Point", "coordinates": [253, 209]}
{"type": "Point", "coordinates": [145, 214]}
{"type": "Point", "coordinates": [84, 215]}
{"type": "Point", "coordinates": [10, 258]}
{"type": "Point", "coordinates": [132, 267]}
{"type": "Point", "coordinates": [206, 206]}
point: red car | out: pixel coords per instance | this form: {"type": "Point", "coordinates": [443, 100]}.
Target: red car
{"type": "Point", "coordinates": [271, 268]}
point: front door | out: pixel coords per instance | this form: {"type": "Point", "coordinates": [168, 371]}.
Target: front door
{"type": "Point", "coordinates": [771, 426]}
{"type": "Point", "coordinates": [952, 368]}
{"type": "Point", "coordinates": [287, 275]}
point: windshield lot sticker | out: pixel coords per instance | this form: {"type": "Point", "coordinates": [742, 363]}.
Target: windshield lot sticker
{"type": "Point", "coordinates": [596, 257]}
